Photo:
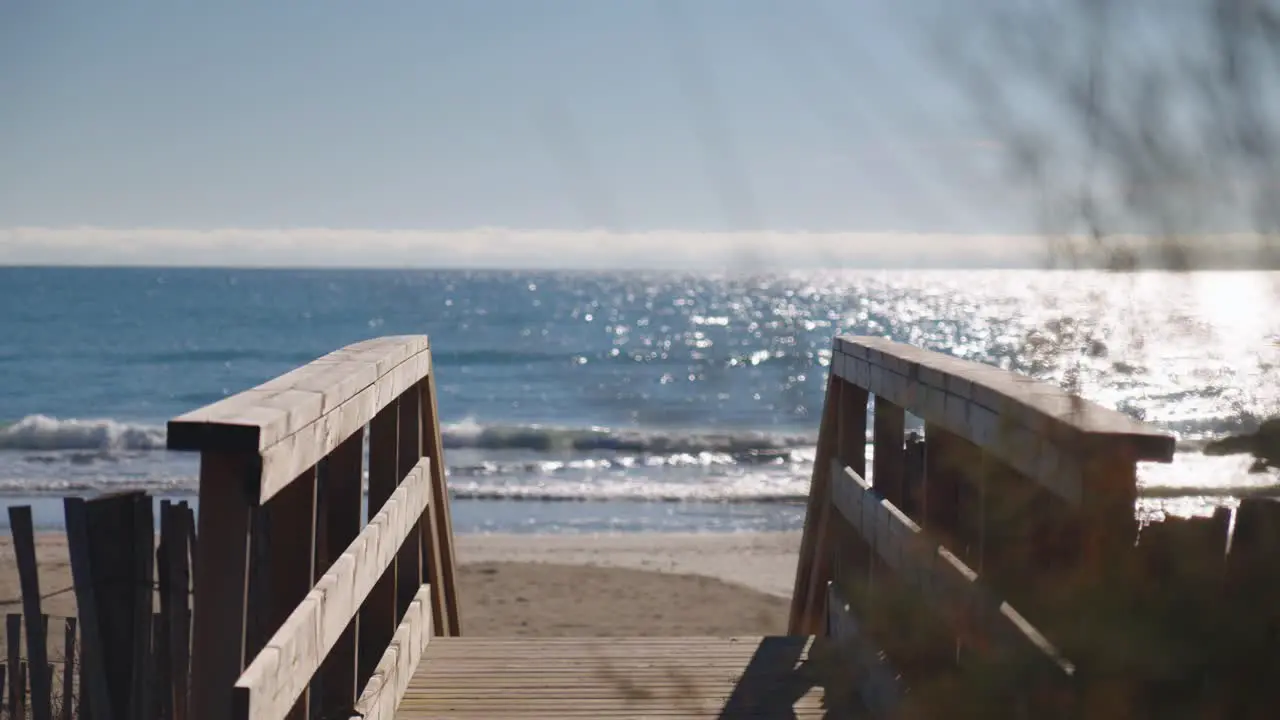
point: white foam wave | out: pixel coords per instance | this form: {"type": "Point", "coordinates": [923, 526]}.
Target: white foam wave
{"type": "Point", "coordinates": [664, 441]}
{"type": "Point", "coordinates": [41, 432]}
{"type": "Point", "coordinates": [45, 433]}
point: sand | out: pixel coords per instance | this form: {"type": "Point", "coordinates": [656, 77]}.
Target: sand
{"type": "Point", "coordinates": [542, 585]}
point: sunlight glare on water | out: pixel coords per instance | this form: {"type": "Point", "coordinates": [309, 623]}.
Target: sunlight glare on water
{"type": "Point", "coordinates": [615, 386]}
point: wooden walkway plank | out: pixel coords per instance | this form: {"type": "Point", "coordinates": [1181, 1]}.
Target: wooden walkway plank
{"type": "Point", "coordinates": [687, 677]}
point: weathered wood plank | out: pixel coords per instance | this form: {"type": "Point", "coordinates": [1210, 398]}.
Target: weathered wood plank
{"type": "Point", "coordinates": [381, 696]}
{"type": "Point", "coordinates": [298, 418]}
{"type": "Point", "coordinates": [69, 664]}
{"type": "Point", "coordinates": [439, 523]}
{"type": "Point", "coordinates": [163, 655]}
{"type": "Point", "coordinates": [17, 683]}
{"type": "Point", "coordinates": [879, 685]}
{"type": "Point", "coordinates": [221, 583]}
{"type": "Point", "coordinates": [142, 563]}
{"type": "Point", "coordinates": [284, 460]}
{"type": "Point", "coordinates": [290, 557]}
{"type": "Point", "coordinates": [179, 619]}
{"type": "Point", "coordinates": [24, 548]}
{"type": "Point", "coordinates": [282, 671]}
{"type": "Point", "coordinates": [409, 563]}
{"type": "Point", "coordinates": [1037, 405]}
{"type": "Point", "coordinates": [923, 566]}
{"type": "Point", "coordinates": [813, 567]}
{"type": "Point", "coordinates": [888, 455]}
{"type": "Point", "coordinates": [947, 458]}
{"type": "Point", "coordinates": [378, 614]}
{"type": "Point", "coordinates": [1035, 428]}
{"type": "Point", "coordinates": [342, 473]}
{"type": "Point", "coordinates": [94, 695]}
{"type": "Point", "coordinates": [853, 558]}
{"type": "Point", "coordinates": [696, 677]}
{"type": "Point", "coordinates": [277, 408]}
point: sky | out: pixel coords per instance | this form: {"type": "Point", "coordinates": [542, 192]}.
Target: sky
{"type": "Point", "coordinates": [577, 131]}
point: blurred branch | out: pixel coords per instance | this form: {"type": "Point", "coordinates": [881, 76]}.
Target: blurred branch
{"type": "Point", "coordinates": [1138, 118]}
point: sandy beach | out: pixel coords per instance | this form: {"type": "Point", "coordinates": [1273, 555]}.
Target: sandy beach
{"type": "Point", "coordinates": [549, 585]}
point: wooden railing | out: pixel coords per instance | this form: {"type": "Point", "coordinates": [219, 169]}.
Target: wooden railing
{"type": "Point", "coordinates": [299, 611]}
{"type": "Point", "coordinates": [972, 579]}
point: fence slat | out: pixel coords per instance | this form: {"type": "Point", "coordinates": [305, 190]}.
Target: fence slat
{"type": "Point", "coordinates": [68, 667]}
{"type": "Point", "coordinates": [178, 622]}
{"type": "Point", "coordinates": [24, 548]}
{"type": "Point", "coordinates": [13, 644]}
{"type": "Point", "coordinates": [94, 701]}
{"type": "Point", "coordinates": [164, 584]}
{"type": "Point", "coordinates": [22, 694]}
{"type": "Point", "coordinates": [108, 538]}
{"type": "Point", "coordinates": [140, 594]}
{"type": "Point", "coordinates": [162, 687]}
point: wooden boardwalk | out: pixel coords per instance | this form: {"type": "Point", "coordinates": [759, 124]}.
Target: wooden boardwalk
{"type": "Point", "coordinates": [686, 677]}
{"type": "Point", "coordinates": [980, 572]}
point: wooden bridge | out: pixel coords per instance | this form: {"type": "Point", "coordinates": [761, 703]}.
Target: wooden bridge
{"type": "Point", "coordinates": [989, 575]}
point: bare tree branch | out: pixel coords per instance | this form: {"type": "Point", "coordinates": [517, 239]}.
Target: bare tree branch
{"type": "Point", "coordinates": [1153, 118]}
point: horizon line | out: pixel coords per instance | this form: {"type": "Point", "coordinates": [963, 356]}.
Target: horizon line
{"type": "Point", "coordinates": [700, 270]}
{"type": "Point", "coordinates": [493, 248]}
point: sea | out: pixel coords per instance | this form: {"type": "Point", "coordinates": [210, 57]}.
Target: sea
{"type": "Point", "coordinates": [614, 401]}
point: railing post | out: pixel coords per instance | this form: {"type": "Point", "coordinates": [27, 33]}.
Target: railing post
{"type": "Point", "coordinates": [221, 581]}
{"type": "Point", "coordinates": [437, 548]}
{"type": "Point", "coordinates": [341, 475]}
{"type": "Point", "coordinates": [947, 458]}
{"type": "Point", "coordinates": [409, 561]}
{"type": "Point", "coordinates": [854, 556]}
{"type": "Point", "coordinates": [1026, 498]}
{"type": "Point", "coordinates": [812, 567]}
{"type": "Point", "coordinates": [290, 554]}
{"type": "Point", "coordinates": [378, 617]}
{"type": "Point", "coordinates": [853, 427]}
{"type": "Point", "coordinates": [888, 457]}
{"type": "Point", "coordinates": [280, 494]}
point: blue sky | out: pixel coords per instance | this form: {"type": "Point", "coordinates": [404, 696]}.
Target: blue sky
{"type": "Point", "coordinates": [706, 116]}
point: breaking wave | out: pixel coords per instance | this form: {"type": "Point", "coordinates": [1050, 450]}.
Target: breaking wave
{"type": "Point", "coordinates": [44, 433]}
{"type": "Point", "coordinates": [539, 438]}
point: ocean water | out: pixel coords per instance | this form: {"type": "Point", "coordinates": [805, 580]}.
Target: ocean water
{"type": "Point", "coordinates": [623, 401]}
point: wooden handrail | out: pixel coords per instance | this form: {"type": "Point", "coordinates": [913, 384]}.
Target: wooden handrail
{"type": "Point", "coordinates": [284, 573]}
{"type": "Point", "coordinates": [293, 421]}
{"type": "Point", "coordinates": [1024, 498]}
{"type": "Point", "coordinates": [1037, 428]}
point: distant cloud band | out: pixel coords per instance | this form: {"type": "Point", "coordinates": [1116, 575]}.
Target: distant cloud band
{"type": "Point", "coordinates": [505, 248]}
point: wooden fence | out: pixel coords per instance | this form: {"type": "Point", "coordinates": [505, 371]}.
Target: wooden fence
{"type": "Point", "coordinates": [1003, 573]}
{"type": "Point", "coordinates": [284, 572]}
{"type": "Point", "coordinates": [125, 654]}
